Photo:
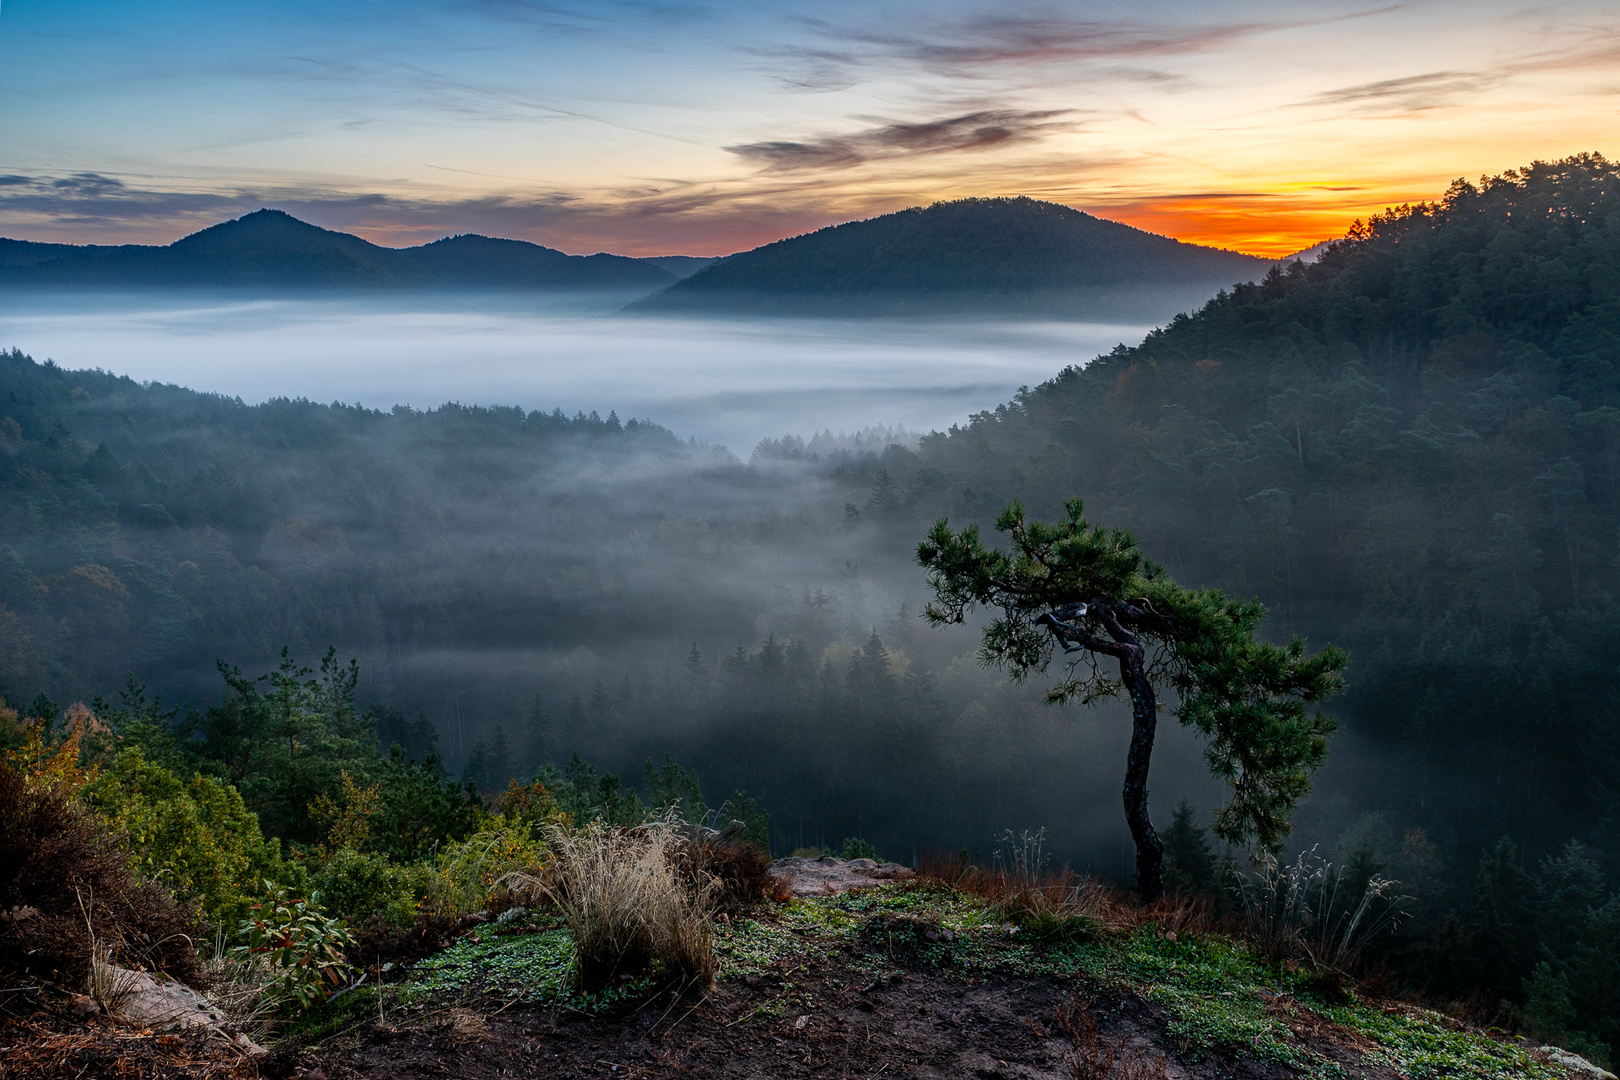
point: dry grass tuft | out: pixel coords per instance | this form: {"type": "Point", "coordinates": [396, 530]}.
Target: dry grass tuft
{"type": "Point", "coordinates": [240, 987]}
{"type": "Point", "coordinates": [1313, 910]}
{"type": "Point", "coordinates": [629, 911]}
{"type": "Point", "coordinates": [110, 985]}
{"type": "Point", "coordinates": [1062, 903]}
{"type": "Point", "coordinates": [1057, 902]}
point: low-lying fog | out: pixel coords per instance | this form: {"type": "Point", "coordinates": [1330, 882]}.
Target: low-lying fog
{"type": "Point", "coordinates": [730, 382]}
{"type": "Point", "coordinates": [617, 597]}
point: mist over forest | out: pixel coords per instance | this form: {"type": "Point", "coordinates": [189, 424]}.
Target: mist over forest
{"type": "Point", "coordinates": [1409, 448]}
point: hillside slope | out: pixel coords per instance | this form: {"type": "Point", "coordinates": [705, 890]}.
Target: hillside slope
{"type": "Point", "coordinates": [273, 248]}
{"type": "Point", "coordinates": [973, 255]}
{"type": "Point", "coordinates": [1410, 448]}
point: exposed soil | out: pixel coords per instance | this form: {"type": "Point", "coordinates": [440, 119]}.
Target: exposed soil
{"type": "Point", "coordinates": [810, 1022]}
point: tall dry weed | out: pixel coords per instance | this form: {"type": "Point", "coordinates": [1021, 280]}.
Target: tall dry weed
{"type": "Point", "coordinates": [1310, 908]}
{"type": "Point", "coordinates": [626, 905]}
{"type": "Point", "coordinates": [1020, 888]}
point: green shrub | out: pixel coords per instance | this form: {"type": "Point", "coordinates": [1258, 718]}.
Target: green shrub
{"type": "Point", "coordinates": [303, 946]}
{"type": "Point", "coordinates": [196, 837]}
{"type": "Point", "coordinates": [357, 885]}
{"type": "Point", "coordinates": [469, 872]}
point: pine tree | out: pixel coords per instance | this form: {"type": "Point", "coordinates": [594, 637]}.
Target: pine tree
{"type": "Point", "coordinates": [1502, 922]}
{"type": "Point", "coordinates": [1091, 593]}
{"type": "Point", "coordinates": [1189, 864]}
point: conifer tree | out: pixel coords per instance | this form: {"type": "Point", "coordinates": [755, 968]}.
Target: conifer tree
{"type": "Point", "coordinates": [1090, 593]}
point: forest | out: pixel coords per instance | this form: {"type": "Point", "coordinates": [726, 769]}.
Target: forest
{"type": "Point", "coordinates": [1409, 448]}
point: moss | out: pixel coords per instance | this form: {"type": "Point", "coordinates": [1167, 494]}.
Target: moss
{"type": "Point", "coordinates": [1421, 1043]}
{"type": "Point", "coordinates": [537, 968]}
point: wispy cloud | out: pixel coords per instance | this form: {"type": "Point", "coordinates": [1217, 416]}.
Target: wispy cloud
{"type": "Point", "coordinates": [1001, 39]}
{"type": "Point", "coordinates": [974, 46]}
{"type": "Point", "coordinates": [971, 131]}
{"type": "Point", "coordinates": [93, 200]}
{"type": "Point", "coordinates": [1413, 93]}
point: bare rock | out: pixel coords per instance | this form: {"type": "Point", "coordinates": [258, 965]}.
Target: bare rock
{"type": "Point", "coordinates": [828, 876]}
{"type": "Point", "coordinates": [141, 1000]}
{"type": "Point", "coordinates": [1576, 1064]}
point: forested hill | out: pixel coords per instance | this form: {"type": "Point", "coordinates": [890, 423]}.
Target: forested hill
{"type": "Point", "coordinates": [1410, 448]}
{"type": "Point", "coordinates": [973, 255]}
{"type": "Point", "coordinates": [273, 248]}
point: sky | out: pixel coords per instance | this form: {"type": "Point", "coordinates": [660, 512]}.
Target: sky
{"type": "Point", "coordinates": [650, 128]}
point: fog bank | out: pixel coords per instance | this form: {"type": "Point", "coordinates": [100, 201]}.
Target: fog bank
{"type": "Point", "coordinates": [725, 381]}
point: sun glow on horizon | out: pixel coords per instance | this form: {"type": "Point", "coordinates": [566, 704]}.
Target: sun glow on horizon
{"type": "Point", "coordinates": [660, 129]}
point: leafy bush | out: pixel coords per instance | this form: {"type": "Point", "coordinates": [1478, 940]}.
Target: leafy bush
{"type": "Point", "coordinates": [346, 819]}
{"type": "Point", "coordinates": [471, 872]}
{"type": "Point", "coordinates": [532, 804]}
{"type": "Point", "coordinates": [302, 946]}
{"type": "Point", "coordinates": [196, 837]}
{"type": "Point", "coordinates": [358, 885]}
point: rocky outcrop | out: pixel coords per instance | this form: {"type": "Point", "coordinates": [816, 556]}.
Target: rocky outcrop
{"type": "Point", "coordinates": [138, 999]}
{"type": "Point", "coordinates": [828, 876]}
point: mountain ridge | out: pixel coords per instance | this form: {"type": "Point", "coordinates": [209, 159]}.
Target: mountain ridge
{"type": "Point", "coordinates": [984, 255]}
{"type": "Point", "coordinates": [273, 248]}
{"type": "Point", "coordinates": [979, 256]}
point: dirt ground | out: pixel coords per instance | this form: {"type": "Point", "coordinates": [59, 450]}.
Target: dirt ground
{"type": "Point", "coordinates": [809, 1023]}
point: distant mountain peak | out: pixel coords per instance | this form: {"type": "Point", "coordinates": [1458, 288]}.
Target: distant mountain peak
{"type": "Point", "coordinates": [274, 227]}
{"type": "Point", "coordinates": [271, 248]}
{"type": "Point", "coordinates": [989, 255]}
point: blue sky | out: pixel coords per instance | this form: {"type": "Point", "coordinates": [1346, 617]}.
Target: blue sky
{"type": "Point", "coordinates": [704, 128]}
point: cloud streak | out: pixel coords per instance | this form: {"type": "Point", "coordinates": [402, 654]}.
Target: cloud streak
{"type": "Point", "coordinates": [1413, 93]}
{"type": "Point", "coordinates": [974, 46]}
{"type": "Point", "coordinates": [970, 131]}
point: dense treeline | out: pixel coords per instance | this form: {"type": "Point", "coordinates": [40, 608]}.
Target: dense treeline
{"type": "Point", "coordinates": [477, 560]}
{"type": "Point", "coordinates": [167, 528]}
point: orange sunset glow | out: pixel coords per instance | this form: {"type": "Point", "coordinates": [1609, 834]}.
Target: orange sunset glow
{"type": "Point", "coordinates": [647, 131]}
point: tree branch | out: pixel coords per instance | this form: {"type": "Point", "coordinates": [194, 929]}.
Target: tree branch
{"type": "Point", "coordinates": [1075, 638]}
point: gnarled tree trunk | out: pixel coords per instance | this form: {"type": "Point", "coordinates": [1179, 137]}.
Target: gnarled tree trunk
{"type": "Point", "coordinates": [1144, 722]}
